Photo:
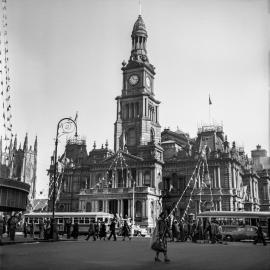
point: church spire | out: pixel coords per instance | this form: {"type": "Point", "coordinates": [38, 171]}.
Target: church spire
{"type": "Point", "coordinates": [15, 143]}
{"type": "Point", "coordinates": [35, 145]}
{"type": "Point", "coordinates": [25, 145]}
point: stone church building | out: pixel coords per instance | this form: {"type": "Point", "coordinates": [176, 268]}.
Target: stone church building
{"type": "Point", "coordinates": [20, 163]}
{"type": "Point", "coordinates": [151, 166]}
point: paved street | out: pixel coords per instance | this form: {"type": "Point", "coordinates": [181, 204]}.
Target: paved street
{"type": "Point", "coordinates": [134, 254]}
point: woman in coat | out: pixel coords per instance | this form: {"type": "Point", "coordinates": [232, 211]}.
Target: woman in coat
{"type": "Point", "coordinates": [126, 231]}
{"type": "Point", "coordinates": [162, 232]}
{"type": "Point", "coordinates": [75, 232]}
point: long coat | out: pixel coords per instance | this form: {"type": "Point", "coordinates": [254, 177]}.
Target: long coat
{"type": "Point", "coordinates": [163, 231]}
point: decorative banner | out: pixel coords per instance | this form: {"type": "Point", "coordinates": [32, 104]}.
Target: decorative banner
{"type": "Point", "coordinates": [5, 87]}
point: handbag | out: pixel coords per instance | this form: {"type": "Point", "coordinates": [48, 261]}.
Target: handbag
{"type": "Point", "coordinates": [158, 245]}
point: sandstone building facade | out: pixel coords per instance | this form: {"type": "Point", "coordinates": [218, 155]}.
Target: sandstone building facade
{"type": "Point", "coordinates": [150, 168]}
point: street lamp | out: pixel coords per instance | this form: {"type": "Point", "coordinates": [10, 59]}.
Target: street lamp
{"type": "Point", "coordinates": [133, 208]}
{"type": "Point", "coordinates": [67, 126]}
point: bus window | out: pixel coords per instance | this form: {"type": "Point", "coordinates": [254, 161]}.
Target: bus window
{"type": "Point", "coordinates": [26, 219]}
{"type": "Point", "coordinates": [36, 220]}
{"type": "Point", "coordinates": [60, 221]}
{"type": "Point", "coordinates": [86, 220]}
{"type": "Point", "coordinates": [253, 221]}
{"type": "Point", "coordinates": [263, 221]}
{"type": "Point", "coordinates": [30, 220]}
{"type": "Point", "coordinates": [93, 219]}
{"type": "Point", "coordinates": [81, 220]}
{"type": "Point", "coordinates": [100, 219]}
{"type": "Point", "coordinates": [75, 219]}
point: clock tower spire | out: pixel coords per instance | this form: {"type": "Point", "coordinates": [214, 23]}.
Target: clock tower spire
{"type": "Point", "coordinates": [137, 121]}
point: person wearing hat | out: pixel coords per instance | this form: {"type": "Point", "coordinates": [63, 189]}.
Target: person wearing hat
{"type": "Point", "coordinates": [162, 232]}
{"type": "Point", "coordinates": [112, 229]}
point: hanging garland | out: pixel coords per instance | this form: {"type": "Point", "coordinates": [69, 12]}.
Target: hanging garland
{"type": "Point", "coordinates": [200, 178]}
{"type": "Point", "coordinates": [5, 86]}
{"type": "Point", "coordinates": [184, 191]}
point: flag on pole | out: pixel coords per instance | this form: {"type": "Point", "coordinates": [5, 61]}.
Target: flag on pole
{"type": "Point", "coordinates": [210, 102]}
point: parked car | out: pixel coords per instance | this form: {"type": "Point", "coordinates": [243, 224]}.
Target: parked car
{"type": "Point", "coordinates": [236, 233]}
{"type": "Point", "coordinates": [139, 231]}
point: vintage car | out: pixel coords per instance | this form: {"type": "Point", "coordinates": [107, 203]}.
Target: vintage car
{"type": "Point", "coordinates": [238, 233]}
{"type": "Point", "coordinates": [138, 231]}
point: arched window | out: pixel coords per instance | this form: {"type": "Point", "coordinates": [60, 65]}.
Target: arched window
{"type": "Point", "coordinates": [127, 111]}
{"type": "Point", "coordinates": [131, 137]}
{"type": "Point", "coordinates": [138, 209]}
{"type": "Point", "coordinates": [132, 110]}
{"type": "Point", "coordinates": [88, 207]}
{"type": "Point", "coordinates": [147, 179]}
{"type": "Point", "coordinates": [100, 206]}
{"type": "Point", "coordinates": [137, 110]}
{"type": "Point", "coordinates": [152, 133]}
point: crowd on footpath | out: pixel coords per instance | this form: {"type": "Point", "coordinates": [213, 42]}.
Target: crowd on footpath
{"type": "Point", "coordinates": [10, 224]}
{"type": "Point", "coordinates": [196, 231]}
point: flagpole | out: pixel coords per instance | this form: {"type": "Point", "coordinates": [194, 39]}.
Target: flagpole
{"type": "Point", "coordinates": [209, 114]}
{"type": "Point", "coordinates": [209, 109]}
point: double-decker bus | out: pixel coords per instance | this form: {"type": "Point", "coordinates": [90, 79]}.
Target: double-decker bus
{"type": "Point", "coordinates": [83, 219]}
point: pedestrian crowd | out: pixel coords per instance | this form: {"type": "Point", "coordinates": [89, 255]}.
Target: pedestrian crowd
{"type": "Point", "coordinates": [196, 231]}
{"type": "Point", "coordinates": [98, 230]}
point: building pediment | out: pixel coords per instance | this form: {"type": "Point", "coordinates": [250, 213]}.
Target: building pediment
{"type": "Point", "coordinates": [128, 158]}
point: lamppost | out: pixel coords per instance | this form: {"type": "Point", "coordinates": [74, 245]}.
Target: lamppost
{"type": "Point", "coordinates": [133, 207]}
{"type": "Point", "coordinates": [66, 125]}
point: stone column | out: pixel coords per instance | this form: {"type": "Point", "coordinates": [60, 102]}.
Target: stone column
{"type": "Point", "coordinates": [218, 177]}
{"type": "Point", "coordinates": [129, 212]}
{"type": "Point", "coordinates": [140, 178]}
{"type": "Point", "coordinates": [215, 177]}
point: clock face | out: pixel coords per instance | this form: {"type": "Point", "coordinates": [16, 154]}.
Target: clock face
{"type": "Point", "coordinates": [148, 82]}
{"type": "Point", "coordinates": [133, 79]}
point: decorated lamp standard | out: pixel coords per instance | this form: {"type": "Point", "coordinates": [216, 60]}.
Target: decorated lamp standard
{"type": "Point", "coordinates": [65, 125]}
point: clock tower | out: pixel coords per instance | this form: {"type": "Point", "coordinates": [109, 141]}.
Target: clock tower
{"type": "Point", "coordinates": [137, 125]}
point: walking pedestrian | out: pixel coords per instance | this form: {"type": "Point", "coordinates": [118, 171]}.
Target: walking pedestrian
{"type": "Point", "coordinates": [175, 231]}
{"type": "Point", "coordinates": [260, 236]}
{"type": "Point", "coordinates": [181, 229]}
{"type": "Point", "coordinates": [1, 227]}
{"type": "Point", "coordinates": [126, 231]}
{"type": "Point", "coordinates": [75, 232]}
{"type": "Point", "coordinates": [112, 229]}
{"type": "Point", "coordinates": [12, 227]}
{"type": "Point", "coordinates": [97, 228]}
{"type": "Point", "coordinates": [207, 231]}
{"type": "Point", "coordinates": [47, 229]}
{"type": "Point", "coordinates": [162, 231]}
{"type": "Point", "coordinates": [4, 225]}
{"type": "Point", "coordinates": [32, 227]}
{"type": "Point", "coordinates": [214, 231]}
{"type": "Point", "coordinates": [91, 231]}
{"type": "Point", "coordinates": [102, 233]}
{"type": "Point", "coordinates": [25, 229]}
{"type": "Point", "coordinates": [68, 227]}
{"type": "Point", "coordinates": [41, 229]}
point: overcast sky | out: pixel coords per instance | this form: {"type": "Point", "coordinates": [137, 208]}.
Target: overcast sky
{"type": "Point", "coordinates": [65, 56]}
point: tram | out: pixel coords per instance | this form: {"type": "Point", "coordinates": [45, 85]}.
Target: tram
{"type": "Point", "coordinates": [83, 219]}
{"type": "Point", "coordinates": [241, 218]}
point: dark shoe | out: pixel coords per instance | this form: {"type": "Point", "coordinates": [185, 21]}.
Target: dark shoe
{"type": "Point", "coordinates": [157, 259]}
{"type": "Point", "coordinates": [166, 260]}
